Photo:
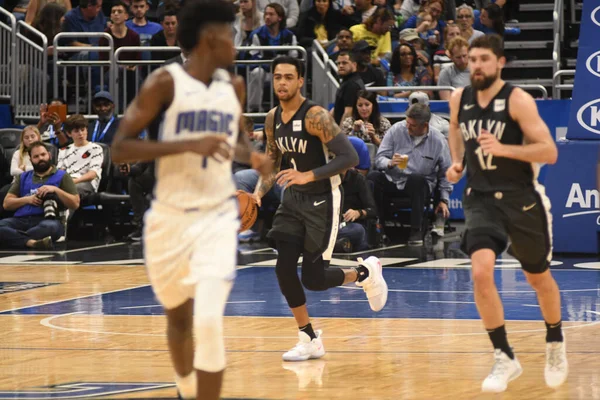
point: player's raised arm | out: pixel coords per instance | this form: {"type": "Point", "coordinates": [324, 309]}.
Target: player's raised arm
{"type": "Point", "coordinates": [154, 97]}
{"type": "Point", "coordinates": [274, 154]}
{"type": "Point", "coordinates": [539, 145]}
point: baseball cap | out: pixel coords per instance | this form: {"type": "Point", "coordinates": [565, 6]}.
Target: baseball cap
{"type": "Point", "coordinates": [103, 95]}
{"type": "Point", "coordinates": [362, 45]}
{"type": "Point", "coordinates": [418, 97]}
{"type": "Point", "coordinates": [409, 34]}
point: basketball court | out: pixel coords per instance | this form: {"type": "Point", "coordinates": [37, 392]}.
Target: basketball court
{"type": "Point", "coordinates": [83, 323]}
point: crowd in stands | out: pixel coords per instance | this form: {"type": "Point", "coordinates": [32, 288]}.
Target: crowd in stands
{"type": "Point", "coordinates": [374, 43]}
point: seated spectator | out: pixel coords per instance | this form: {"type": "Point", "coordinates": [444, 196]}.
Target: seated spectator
{"type": "Point", "coordinates": [167, 37]}
{"type": "Point", "coordinates": [321, 22]}
{"type": "Point", "coordinates": [412, 160]}
{"type": "Point", "coordinates": [50, 124]}
{"type": "Point", "coordinates": [346, 95]}
{"type": "Point", "coordinates": [36, 196]}
{"type": "Point", "coordinates": [441, 56]}
{"type": "Point", "coordinates": [141, 183]}
{"type": "Point", "coordinates": [35, 6]}
{"type": "Point", "coordinates": [49, 22]}
{"type": "Point", "coordinates": [404, 71]}
{"type": "Point", "coordinates": [247, 20]}
{"type": "Point", "coordinates": [435, 8]}
{"type": "Point", "coordinates": [409, 9]}
{"type": "Point", "coordinates": [360, 12]}
{"type": "Point", "coordinates": [359, 207]}
{"type": "Point", "coordinates": [436, 121]}
{"type": "Point", "coordinates": [105, 127]}
{"type": "Point", "coordinates": [466, 19]}
{"type": "Point", "coordinates": [370, 74]}
{"type": "Point", "coordinates": [411, 37]}
{"type": "Point", "coordinates": [457, 74]}
{"type": "Point", "coordinates": [272, 33]}
{"type": "Point", "coordinates": [291, 9]}
{"type": "Point", "coordinates": [87, 17]}
{"type": "Point", "coordinates": [20, 161]}
{"type": "Point", "coordinates": [491, 20]}
{"type": "Point", "coordinates": [366, 122]}
{"type": "Point", "coordinates": [364, 158]}
{"type": "Point", "coordinates": [140, 24]}
{"type": "Point", "coordinates": [376, 31]}
{"type": "Point", "coordinates": [425, 26]}
{"type": "Point", "coordinates": [344, 43]}
{"type": "Point", "coordinates": [82, 159]}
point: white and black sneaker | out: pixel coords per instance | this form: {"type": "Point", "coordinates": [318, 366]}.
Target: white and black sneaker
{"type": "Point", "coordinates": [374, 285]}
{"type": "Point", "coordinates": [503, 371]}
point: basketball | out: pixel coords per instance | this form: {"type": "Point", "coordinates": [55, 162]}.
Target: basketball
{"type": "Point", "coordinates": [248, 210]}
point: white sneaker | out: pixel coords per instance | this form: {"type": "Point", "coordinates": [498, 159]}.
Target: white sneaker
{"type": "Point", "coordinates": [503, 371]}
{"type": "Point", "coordinates": [306, 349]}
{"type": "Point", "coordinates": [438, 226]}
{"type": "Point", "coordinates": [374, 286]}
{"type": "Point", "coordinates": [557, 367]}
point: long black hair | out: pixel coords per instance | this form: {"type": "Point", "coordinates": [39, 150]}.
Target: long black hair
{"type": "Point", "coordinates": [494, 12]}
{"type": "Point", "coordinates": [375, 117]}
{"type": "Point", "coordinates": [396, 65]}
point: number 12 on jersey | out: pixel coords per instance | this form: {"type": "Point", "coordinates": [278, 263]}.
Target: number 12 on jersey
{"type": "Point", "coordinates": [485, 160]}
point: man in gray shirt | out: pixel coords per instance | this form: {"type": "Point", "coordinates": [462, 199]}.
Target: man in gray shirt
{"type": "Point", "coordinates": [456, 74]}
{"type": "Point", "coordinates": [428, 159]}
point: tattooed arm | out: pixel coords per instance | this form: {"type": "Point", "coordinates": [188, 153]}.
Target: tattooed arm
{"type": "Point", "coordinates": [266, 182]}
{"type": "Point", "coordinates": [321, 124]}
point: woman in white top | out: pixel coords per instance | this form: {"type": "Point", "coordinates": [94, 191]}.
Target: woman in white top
{"type": "Point", "coordinates": [248, 19]}
{"type": "Point", "coordinates": [20, 160]}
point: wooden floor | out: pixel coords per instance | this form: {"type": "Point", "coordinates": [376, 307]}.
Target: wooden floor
{"type": "Point", "coordinates": [367, 358]}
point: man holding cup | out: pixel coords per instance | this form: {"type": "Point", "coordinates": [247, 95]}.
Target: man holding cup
{"type": "Point", "coordinates": [411, 162]}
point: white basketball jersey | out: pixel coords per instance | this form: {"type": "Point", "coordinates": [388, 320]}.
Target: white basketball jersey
{"type": "Point", "coordinates": [188, 180]}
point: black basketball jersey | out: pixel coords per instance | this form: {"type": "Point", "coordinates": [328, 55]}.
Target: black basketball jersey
{"type": "Point", "coordinates": [301, 150]}
{"type": "Point", "coordinates": [485, 172]}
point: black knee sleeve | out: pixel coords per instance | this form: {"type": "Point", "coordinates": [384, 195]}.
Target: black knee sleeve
{"type": "Point", "coordinates": [286, 270]}
{"type": "Point", "coordinates": [317, 276]}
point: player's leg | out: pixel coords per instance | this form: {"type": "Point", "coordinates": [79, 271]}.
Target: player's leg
{"type": "Point", "coordinates": [322, 225]}
{"type": "Point", "coordinates": [181, 347]}
{"type": "Point", "coordinates": [532, 245]}
{"type": "Point", "coordinates": [483, 240]}
{"type": "Point", "coordinates": [209, 357]}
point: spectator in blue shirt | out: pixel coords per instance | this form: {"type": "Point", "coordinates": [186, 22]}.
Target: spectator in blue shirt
{"type": "Point", "coordinates": [139, 24]}
{"type": "Point", "coordinates": [87, 17]}
{"type": "Point", "coordinates": [412, 161]}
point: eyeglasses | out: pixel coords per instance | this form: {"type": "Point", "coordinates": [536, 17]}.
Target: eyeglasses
{"type": "Point", "coordinates": [463, 16]}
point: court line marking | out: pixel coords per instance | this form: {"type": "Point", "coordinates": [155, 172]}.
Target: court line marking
{"type": "Point", "coordinates": [452, 302]}
{"type": "Point", "coordinates": [469, 291]}
{"type": "Point", "coordinates": [74, 298]}
{"type": "Point", "coordinates": [339, 300]}
{"type": "Point", "coordinates": [263, 250]}
{"type": "Point", "coordinates": [47, 322]}
{"type": "Point", "coordinates": [229, 302]}
{"type": "Point", "coordinates": [531, 305]}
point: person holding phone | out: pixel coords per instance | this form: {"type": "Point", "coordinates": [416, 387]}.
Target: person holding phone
{"type": "Point", "coordinates": [52, 117]}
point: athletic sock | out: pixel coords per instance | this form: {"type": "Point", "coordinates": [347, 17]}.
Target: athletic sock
{"type": "Point", "coordinates": [186, 385]}
{"type": "Point", "coordinates": [362, 273]}
{"type": "Point", "coordinates": [308, 329]}
{"type": "Point", "coordinates": [554, 332]}
{"type": "Point", "coordinates": [499, 340]}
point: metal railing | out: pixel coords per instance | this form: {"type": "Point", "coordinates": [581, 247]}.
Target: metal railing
{"type": "Point", "coordinates": [143, 68]}
{"type": "Point", "coordinates": [533, 86]}
{"type": "Point", "coordinates": [8, 45]}
{"type": "Point", "coordinates": [92, 69]}
{"type": "Point", "coordinates": [320, 84]}
{"type": "Point", "coordinates": [558, 29]}
{"type": "Point", "coordinates": [31, 86]}
{"type": "Point", "coordinates": [556, 80]}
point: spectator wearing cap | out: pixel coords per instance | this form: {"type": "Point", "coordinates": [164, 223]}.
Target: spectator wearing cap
{"type": "Point", "coordinates": [343, 43]}
{"type": "Point", "coordinates": [370, 75]}
{"type": "Point", "coordinates": [366, 121]}
{"type": "Point", "coordinates": [457, 74]}
{"type": "Point", "coordinates": [346, 95]}
{"type": "Point", "coordinates": [436, 121]}
{"type": "Point", "coordinates": [364, 158]}
{"type": "Point", "coordinates": [321, 22]}
{"type": "Point", "coordinates": [424, 155]}
{"type": "Point", "coordinates": [411, 37]}
{"type": "Point", "coordinates": [405, 71]}
{"type": "Point", "coordinates": [103, 130]}
{"type": "Point", "coordinates": [376, 31]}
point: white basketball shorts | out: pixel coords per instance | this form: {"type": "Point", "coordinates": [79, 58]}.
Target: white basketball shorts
{"type": "Point", "coordinates": [183, 246]}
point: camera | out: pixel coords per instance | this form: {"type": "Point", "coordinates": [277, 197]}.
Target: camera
{"type": "Point", "coordinates": [50, 206]}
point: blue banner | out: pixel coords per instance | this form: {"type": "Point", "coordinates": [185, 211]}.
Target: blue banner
{"type": "Point", "coordinates": [585, 110]}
